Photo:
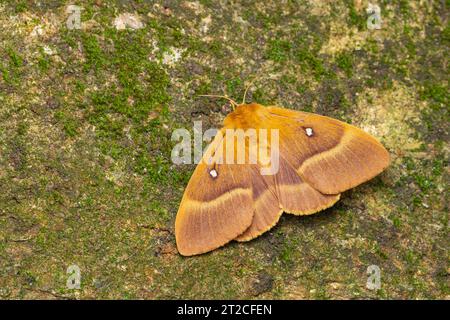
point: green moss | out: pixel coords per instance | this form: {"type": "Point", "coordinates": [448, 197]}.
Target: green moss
{"type": "Point", "coordinates": [411, 258]}
{"type": "Point", "coordinates": [44, 64]}
{"type": "Point", "coordinates": [288, 251]}
{"type": "Point", "coordinates": [259, 95]}
{"type": "Point", "coordinates": [22, 129]}
{"type": "Point", "coordinates": [310, 61]}
{"type": "Point", "coordinates": [423, 182]}
{"type": "Point", "coordinates": [438, 97]}
{"type": "Point", "coordinates": [11, 68]}
{"type": "Point", "coordinates": [69, 123]}
{"type": "Point", "coordinates": [396, 221]}
{"type": "Point", "coordinates": [203, 88]}
{"type": "Point", "coordinates": [16, 59]}
{"type": "Point", "coordinates": [278, 50]}
{"type": "Point", "coordinates": [95, 58]}
{"type": "Point", "coordinates": [435, 92]}
{"type": "Point", "coordinates": [234, 87]}
{"type": "Point", "coordinates": [140, 89]}
{"type": "Point", "coordinates": [355, 18]}
{"type": "Point", "coordinates": [404, 8]}
{"type": "Point", "coordinates": [345, 62]}
{"type": "Point", "coordinates": [446, 33]}
{"type": "Point", "coordinates": [438, 167]}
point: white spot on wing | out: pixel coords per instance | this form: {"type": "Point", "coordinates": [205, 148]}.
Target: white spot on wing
{"type": "Point", "coordinates": [213, 173]}
{"type": "Point", "coordinates": [309, 132]}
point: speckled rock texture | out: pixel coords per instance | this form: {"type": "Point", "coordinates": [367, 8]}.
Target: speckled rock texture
{"type": "Point", "coordinates": [86, 116]}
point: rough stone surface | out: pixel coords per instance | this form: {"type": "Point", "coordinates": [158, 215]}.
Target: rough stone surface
{"type": "Point", "coordinates": [86, 117]}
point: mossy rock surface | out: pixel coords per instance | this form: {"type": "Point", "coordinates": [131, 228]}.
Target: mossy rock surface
{"type": "Point", "coordinates": [86, 117]}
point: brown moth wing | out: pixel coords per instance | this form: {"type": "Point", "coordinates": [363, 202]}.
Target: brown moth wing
{"type": "Point", "coordinates": [297, 196]}
{"type": "Point", "coordinates": [214, 211]}
{"type": "Point", "coordinates": [266, 205]}
{"type": "Point", "coordinates": [283, 191]}
{"type": "Point", "coordinates": [217, 205]}
{"type": "Point", "coordinates": [334, 156]}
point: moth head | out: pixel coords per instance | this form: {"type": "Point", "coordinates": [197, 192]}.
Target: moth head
{"type": "Point", "coordinates": [245, 116]}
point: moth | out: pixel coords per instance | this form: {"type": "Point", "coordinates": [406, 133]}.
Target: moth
{"type": "Point", "coordinates": [318, 159]}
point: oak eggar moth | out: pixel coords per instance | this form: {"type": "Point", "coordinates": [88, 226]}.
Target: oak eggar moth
{"type": "Point", "coordinates": [319, 157]}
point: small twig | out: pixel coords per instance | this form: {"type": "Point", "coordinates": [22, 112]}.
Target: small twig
{"type": "Point", "coordinates": [53, 294]}
{"type": "Point", "coordinates": [22, 239]}
{"type": "Point", "coordinates": [147, 226]}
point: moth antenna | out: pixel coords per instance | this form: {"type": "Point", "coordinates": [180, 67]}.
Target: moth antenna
{"type": "Point", "coordinates": [233, 103]}
{"type": "Point", "coordinates": [246, 89]}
